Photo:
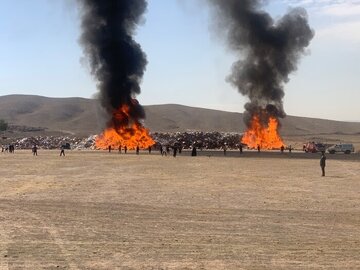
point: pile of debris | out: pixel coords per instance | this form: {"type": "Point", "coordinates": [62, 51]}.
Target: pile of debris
{"type": "Point", "coordinates": [54, 142]}
{"type": "Point", "coordinates": [203, 140]}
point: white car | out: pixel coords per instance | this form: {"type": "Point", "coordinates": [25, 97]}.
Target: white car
{"type": "Point", "coordinates": [346, 148]}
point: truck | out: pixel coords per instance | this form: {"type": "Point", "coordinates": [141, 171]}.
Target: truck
{"type": "Point", "coordinates": [345, 148]}
{"type": "Point", "coordinates": [313, 147]}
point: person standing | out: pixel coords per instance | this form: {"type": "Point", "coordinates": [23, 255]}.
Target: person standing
{"type": "Point", "coordinates": [323, 163]}
{"type": "Point", "coordinates": [62, 152]}
{"type": "Point", "coordinates": [193, 152]}
{"type": "Point", "coordinates": [137, 150]}
{"type": "Point", "coordinates": [34, 150]}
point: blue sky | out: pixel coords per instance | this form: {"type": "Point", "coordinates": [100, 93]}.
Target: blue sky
{"type": "Point", "coordinates": [188, 62]}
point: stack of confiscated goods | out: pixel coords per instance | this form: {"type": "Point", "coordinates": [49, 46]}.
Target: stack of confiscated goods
{"type": "Point", "coordinates": [205, 140]}
{"type": "Point", "coordinates": [45, 142]}
{"type": "Point", "coordinates": [85, 143]}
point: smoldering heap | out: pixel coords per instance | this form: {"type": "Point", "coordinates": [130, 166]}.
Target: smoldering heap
{"type": "Point", "coordinates": [116, 59]}
{"type": "Point", "coordinates": [268, 49]}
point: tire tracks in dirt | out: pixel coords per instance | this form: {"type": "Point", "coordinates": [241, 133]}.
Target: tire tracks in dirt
{"type": "Point", "coordinates": [45, 227]}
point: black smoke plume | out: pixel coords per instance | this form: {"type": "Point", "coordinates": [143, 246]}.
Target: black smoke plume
{"type": "Point", "coordinates": [116, 60]}
{"type": "Point", "coordinates": [268, 49]}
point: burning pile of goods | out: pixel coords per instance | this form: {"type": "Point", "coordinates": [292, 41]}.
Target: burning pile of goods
{"type": "Point", "coordinates": [205, 140]}
{"type": "Point", "coordinates": [117, 63]}
{"type": "Point", "coordinates": [269, 49]}
{"type": "Point", "coordinates": [269, 52]}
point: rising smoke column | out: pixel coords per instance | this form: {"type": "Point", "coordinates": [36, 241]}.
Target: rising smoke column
{"type": "Point", "coordinates": [116, 60]}
{"type": "Point", "coordinates": [269, 51]}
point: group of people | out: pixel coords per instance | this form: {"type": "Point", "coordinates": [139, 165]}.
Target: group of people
{"type": "Point", "coordinates": [34, 149]}
{"type": "Point", "coordinates": [8, 148]}
{"type": "Point", "coordinates": [165, 150]}
{"type": "Point", "coordinates": [137, 149]}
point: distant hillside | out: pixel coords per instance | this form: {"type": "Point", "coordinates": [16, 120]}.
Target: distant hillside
{"type": "Point", "coordinates": [82, 117]}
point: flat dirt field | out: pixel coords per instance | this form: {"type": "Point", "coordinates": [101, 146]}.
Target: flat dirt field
{"type": "Point", "coordinates": [99, 210]}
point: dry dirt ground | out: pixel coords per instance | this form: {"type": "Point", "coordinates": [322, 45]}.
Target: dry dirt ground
{"type": "Point", "coordinates": [95, 210]}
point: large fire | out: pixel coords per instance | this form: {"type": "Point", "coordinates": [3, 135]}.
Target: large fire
{"type": "Point", "coordinates": [123, 134]}
{"type": "Point", "coordinates": [265, 136]}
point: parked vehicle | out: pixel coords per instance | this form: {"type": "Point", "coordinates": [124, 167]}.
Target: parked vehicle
{"type": "Point", "coordinates": [346, 148]}
{"type": "Point", "coordinates": [312, 147]}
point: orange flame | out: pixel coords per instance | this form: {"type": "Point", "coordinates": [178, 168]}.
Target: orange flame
{"type": "Point", "coordinates": [129, 135]}
{"type": "Point", "coordinates": [267, 137]}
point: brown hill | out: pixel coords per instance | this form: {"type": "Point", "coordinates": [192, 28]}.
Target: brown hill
{"type": "Point", "coordinates": [80, 116]}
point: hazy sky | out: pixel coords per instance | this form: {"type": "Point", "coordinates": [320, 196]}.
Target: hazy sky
{"type": "Point", "coordinates": [188, 62]}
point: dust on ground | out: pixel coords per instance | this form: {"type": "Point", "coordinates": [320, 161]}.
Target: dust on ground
{"type": "Point", "coordinates": [99, 210]}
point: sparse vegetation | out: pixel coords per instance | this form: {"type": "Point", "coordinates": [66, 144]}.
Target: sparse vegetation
{"type": "Point", "coordinates": [3, 125]}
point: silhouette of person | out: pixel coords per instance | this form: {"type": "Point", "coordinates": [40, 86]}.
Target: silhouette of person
{"type": "Point", "coordinates": [62, 152]}
{"type": "Point", "coordinates": [149, 150]}
{"type": "Point", "coordinates": [175, 151]}
{"type": "Point", "coordinates": [193, 152]}
{"type": "Point", "coordinates": [323, 163]}
{"type": "Point", "coordinates": [125, 149]}
{"type": "Point", "coordinates": [119, 149]}
{"type": "Point", "coordinates": [282, 149]}
{"type": "Point", "coordinates": [137, 150]}
{"type": "Point", "coordinates": [109, 148]}
{"type": "Point", "coordinates": [258, 148]}
{"type": "Point", "coordinates": [241, 148]}
{"type": "Point", "coordinates": [34, 150]}
{"type": "Point", "coordinates": [164, 150]}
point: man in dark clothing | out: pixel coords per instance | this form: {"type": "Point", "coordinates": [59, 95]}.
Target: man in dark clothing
{"type": "Point", "coordinates": [241, 148]}
{"type": "Point", "coordinates": [109, 148]}
{"type": "Point", "coordinates": [149, 150]}
{"type": "Point", "coordinates": [175, 151]}
{"type": "Point", "coordinates": [34, 150]}
{"type": "Point", "coordinates": [323, 163]}
{"type": "Point", "coordinates": [193, 152]}
{"type": "Point", "coordinates": [125, 149]}
{"type": "Point", "coordinates": [137, 150]}
{"type": "Point", "coordinates": [62, 152]}
{"type": "Point", "coordinates": [258, 148]}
